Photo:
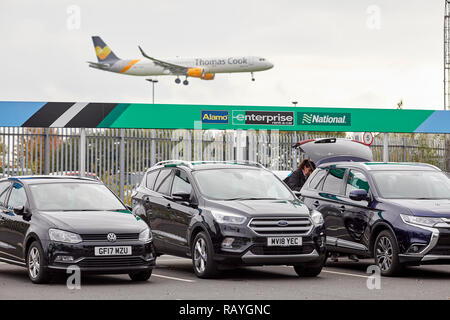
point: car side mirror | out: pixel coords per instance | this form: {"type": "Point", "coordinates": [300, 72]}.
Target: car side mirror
{"type": "Point", "coordinates": [19, 211]}
{"type": "Point", "coordinates": [358, 195]}
{"type": "Point", "coordinates": [181, 197]}
{"type": "Point", "coordinates": [22, 211]}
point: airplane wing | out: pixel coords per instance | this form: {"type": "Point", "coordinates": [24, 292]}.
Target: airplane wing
{"type": "Point", "coordinates": [173, 68]}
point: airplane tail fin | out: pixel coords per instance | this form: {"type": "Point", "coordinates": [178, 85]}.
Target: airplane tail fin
{"type": "Point", "coordinates": [103, 52]}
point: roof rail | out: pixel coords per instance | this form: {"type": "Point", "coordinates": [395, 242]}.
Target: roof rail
{"type": "Point", "coordinates": [244, 162]}
{"type": "Point", "coordinates": [180, 162]}
{"type": "Point", "coordinates": [191, 163]}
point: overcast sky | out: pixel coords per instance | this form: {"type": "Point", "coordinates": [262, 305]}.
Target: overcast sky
{"type": "Point", "coordinates": [348, 53]}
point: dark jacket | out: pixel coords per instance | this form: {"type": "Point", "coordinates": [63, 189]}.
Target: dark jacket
{"type": "Point", "coordinates": [296, 180]}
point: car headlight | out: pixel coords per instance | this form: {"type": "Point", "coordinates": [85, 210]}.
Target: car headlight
{"type": "Point", "coordinates": [64, 236]}
{"type": "Point", "coordinates": [317, 218]}
{"type": "Point", "coordinates": [145, 236]}
{"type": "Point", "coordinates": [423, 221]}
{"type": "Point", "coordinates": [228, 218]}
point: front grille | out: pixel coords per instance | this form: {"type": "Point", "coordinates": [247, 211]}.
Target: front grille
{"type": "Point", "coordinates": [443, 245]}
{"type": "Point", "coordinates": [101, 262]}
{"type": "Point", "coordinates": [280, 225]}
{"type": "Point", "coordinates": [104, 237]}
{"type": "Point", "coordinates": [264, 250]}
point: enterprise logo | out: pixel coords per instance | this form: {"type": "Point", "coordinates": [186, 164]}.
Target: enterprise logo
{"type": "Point", "coordinates": [215, 116]}
{"type": "Point", "coordinates": [285, 118]}
{"type": "Point", "coordinates": [324, 118]}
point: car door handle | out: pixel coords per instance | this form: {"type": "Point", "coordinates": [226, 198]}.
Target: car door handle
{"type": "Point", "coordinates": [169, 206]}
{"type": "Point", "coordinates": [316, 204]}
{"type": "Point", "coordinates": [342, 209]}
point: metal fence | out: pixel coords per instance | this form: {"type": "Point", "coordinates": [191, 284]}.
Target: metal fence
{"type": "Point", "coordinates": [119, 157]}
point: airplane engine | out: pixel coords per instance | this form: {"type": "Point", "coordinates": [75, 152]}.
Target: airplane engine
{"type": "Point", "coordinates": [195, 72]}
{"type": "Point", "coordinates": [208, 76]}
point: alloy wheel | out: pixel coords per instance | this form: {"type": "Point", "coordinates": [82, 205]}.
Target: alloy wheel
{"type": "Point", "coordinates": [200, 255]}
{"type": "Point", "coordinates": [34, 262]}
{"type": "Point", "coordinates": [384, 252]}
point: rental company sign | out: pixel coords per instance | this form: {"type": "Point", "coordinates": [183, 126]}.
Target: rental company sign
{"type": "Point", "coordinates": [177, 116]}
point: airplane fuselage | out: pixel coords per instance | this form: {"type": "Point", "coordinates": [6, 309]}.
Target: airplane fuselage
{"type": "Point", "coordinates": [145, 67]}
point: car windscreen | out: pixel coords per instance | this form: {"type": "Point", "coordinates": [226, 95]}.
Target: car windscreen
{"type": "Point", "coordinates": [74, 196]}
{"type": "Point", "coordinates": [412, 184]}
{"type": "Point", "coordinates": [236, 184]}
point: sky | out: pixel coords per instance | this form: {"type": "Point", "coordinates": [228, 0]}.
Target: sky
{"type": "Point", "coordinates": [348, 53]}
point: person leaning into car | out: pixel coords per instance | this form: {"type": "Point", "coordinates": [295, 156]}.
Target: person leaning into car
{"type": "Point", "coordinates": [297, 179]}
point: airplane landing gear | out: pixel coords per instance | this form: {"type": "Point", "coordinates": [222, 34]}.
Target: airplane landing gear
{"type": "Point", "coordinates": [253, 78]}
{"type": "Point", "coordinates": [185, 82]}
{"type": "Point", "coordinates": [177, 80]}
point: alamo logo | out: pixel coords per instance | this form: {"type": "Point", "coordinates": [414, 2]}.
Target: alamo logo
{"type": "Point", "coordinates": [324, 118]}
{"type": "Point", "coordinates": [215, 116]}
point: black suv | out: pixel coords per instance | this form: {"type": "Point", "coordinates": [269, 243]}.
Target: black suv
{"type": "Point", "coordinates": [224, 214]}
{"type": "Point", "coordinates": [397, 213]}
{"type": "Point", "coordinates": [48, 223]}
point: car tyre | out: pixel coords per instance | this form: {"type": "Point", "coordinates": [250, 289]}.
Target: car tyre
{"type": "Point", "coordinates": [307, 270]}
{"type": "Point", "coordinates": [141, 275]}
{"type": "Point", "coordinates": [385, 252]}
{"type": "Point", "coordinates": [36, 264]}
{"type": "Point", "coordinates": [202, 257]}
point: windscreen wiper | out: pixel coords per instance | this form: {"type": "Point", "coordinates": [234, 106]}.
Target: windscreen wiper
{"type": "Point", "coordinates": [251, 198]}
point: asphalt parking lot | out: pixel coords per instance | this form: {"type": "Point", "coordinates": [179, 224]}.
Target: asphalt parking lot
{"type": "Point", "coordinates": [174, 279]}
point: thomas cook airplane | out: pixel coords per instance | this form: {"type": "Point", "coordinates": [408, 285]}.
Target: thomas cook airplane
{"type": "Point", "coordinates": [203, 68]}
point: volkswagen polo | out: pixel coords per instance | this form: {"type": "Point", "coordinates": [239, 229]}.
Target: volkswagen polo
{"type": "Point", "coordinates": [48, 223]}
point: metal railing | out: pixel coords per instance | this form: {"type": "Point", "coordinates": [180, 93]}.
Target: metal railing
{"type": "Point", "coordinates": [119, 157]}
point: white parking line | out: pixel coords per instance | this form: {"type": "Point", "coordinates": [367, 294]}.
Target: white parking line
{"type": "Point", "coordinates": [345, 274]}
{"type": "Point", "coordinates": [172, 278]}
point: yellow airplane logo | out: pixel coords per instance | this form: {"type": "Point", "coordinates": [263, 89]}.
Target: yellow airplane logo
{"type": "Point", "coordinates": [102, 54]}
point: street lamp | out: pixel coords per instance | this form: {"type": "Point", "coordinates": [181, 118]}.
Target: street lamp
{"type": "Point", "coordinates": [153, 88]}
{"type": "Point", "coordinates": [294, 103]}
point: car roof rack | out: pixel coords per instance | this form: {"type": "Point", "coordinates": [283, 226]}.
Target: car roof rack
{"type": "Point", "coordinates": [190, 164]}
{"type": "Point", "coordinates": [241, 162]}
{"type": "Point", "coordinates": [175, 162]}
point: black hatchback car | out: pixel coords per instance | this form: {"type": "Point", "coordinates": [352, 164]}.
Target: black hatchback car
{"type": "Point", "coordinates": [397, 213]}
{"type": "Point", "coordinates": [48, 223]}
{"type": "Point", "coordinates": [225, 214]}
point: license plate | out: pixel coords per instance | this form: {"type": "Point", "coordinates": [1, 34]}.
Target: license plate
{"type": "Point", "coordinates": [113, 251]}
{"type": "Point", "coordinates": [284, 241]}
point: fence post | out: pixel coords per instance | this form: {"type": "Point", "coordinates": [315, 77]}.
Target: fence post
{"type": "Point", "coordinates": [152, 147]}
{"type": "Point", "coordinates": [122, 164]}
{"type": "Point", "coordinates": [447, 152]}
{"type": "Point", "coordinates": [385, 147]}
{"type": "Point", "coordinates": [82, 153]}
{"type": "Point", "coordinates": [46, 150]}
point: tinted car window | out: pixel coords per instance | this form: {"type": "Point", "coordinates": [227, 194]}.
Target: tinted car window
{"type": "Point", "coordinates": [356, 180]}
{"type": "Point", "coordinates": [233, 184]}
{"type": "Point", "coordinates": [412, 184]}
{"type": "Point", "coordinates": [317, 179]}
{"type": "Point", "coordinates": [74, 196]}
{"type": "Point", "coordinates": [163, 181]}
{"type": "Point", "coordinates": [181, 183]}
{"type": "Point", "coordinates": [151, 178]}
{"type": "Point", "coordinates": [4, 186]}
{"type": "Point", "coordinates": [333, 181]}
{"type": "Point", "coordinates": [17, 197]}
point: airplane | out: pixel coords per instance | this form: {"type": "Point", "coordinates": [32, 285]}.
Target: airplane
{"type": "Point", "coordinates": [202, 68]}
